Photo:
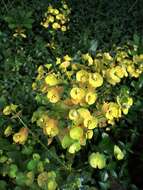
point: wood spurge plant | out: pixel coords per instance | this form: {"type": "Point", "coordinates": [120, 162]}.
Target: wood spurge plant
{"type": "Point", "coordinates": [71, 83]}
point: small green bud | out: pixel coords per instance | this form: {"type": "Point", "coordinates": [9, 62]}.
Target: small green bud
{"type": "Point", "coordinates": [40, 166]}
{"type": "Point", "coordinates": [36, 156]}
{"type": "Point", "coordinates": [52, 185]}
{"type": "Point", "coordinates": [8, 131]}
{"type": "Point", "coordinates": [3, 159]}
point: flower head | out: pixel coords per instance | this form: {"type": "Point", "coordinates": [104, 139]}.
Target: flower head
{"type": "Point", "coordinates": [97, 160]}
{"type": "Point", "coordinates": [54, 94]}
{"type": "Point", "coordinates": [95, 80]}
{"type": "Point", "coordinates": [51, 127]}
{"type": "Point", "coordinates": [52, 80]}
{"type": "Point", "coordinates": [76, 133]}
{"type": "Point", "coordinates": [90, 122]}
{"type": "Point", "coordinates": [21, 136]}
{"type": "Point", "coordinates": [77, 93]}
{"type": "Point", "coordinates": [82, 76]}
{"type": "Point", "coordinates": [91, 97]}
{"type": "Point", "coordinates": [113, 111]}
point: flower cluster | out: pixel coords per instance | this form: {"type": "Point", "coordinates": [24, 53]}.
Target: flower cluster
{"type": "Point", "coordinates": [48, 124]}
{"type": "Point", "coordinates": [56, 19]}
{"type": "Point", "coordinates": [98, 160]}
{"type": "Point", "coordinates": [47, 180]}
{"type": "Point", "coordinates": [80, 94]}
{"type": "Point", "coordinates": [21, 136]}
{"type": "Point", "coordinates": [10, 109]}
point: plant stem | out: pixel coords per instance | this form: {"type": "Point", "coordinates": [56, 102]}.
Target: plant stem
{"type": "Point", "coordinates": [130, 9]}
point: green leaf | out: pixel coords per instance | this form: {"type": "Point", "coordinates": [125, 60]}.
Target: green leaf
{"type": "Point", "coordinates": [32, 164]}
{"type": "Point", "coordinates": [104, 186]}
{"type": "Point", "coordinates": [21, 179]}
{"type": "Point", "coordinates": [106, 144]}
{"type": "Point", "coordinates": [3, 185]}
{"type": "Point", "coordinates": [5, 145]}
{"type": "Point", "coordinates": [136, 39]}
{"type": "Point", "coordinates": [93, 47]}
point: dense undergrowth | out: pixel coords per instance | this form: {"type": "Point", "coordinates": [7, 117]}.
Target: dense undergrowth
{"type": "Point", "coordinates": [71, 98]}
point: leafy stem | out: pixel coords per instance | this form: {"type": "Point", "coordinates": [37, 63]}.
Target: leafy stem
{"type": "Point", "coordinates": [42, 144]}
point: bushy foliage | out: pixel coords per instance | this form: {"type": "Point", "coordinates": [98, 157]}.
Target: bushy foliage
{"type": "Point", "coordinates": [71, 94]}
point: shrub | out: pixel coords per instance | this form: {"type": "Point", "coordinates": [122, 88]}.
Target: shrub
{"type": "Point", "coordinates": [71, 99]}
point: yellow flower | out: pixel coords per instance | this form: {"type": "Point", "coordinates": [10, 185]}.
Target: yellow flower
{"type": "Point", "coordinates": [42, 179]}
{"type": "Point", "coordinates": [84, 113]}
{"type": "Point", "coordinates": [138, 58]}
{"type": "Point", "coordinates": [69, 74]}
{"type": "Point", "coordinates": [74, 115]}
{"type": "Point", "coordinates": [34, 86]}
{"type": "Point", "coordinates": [50, 9]}
{"type": "Point", "coordinates": [125, 103]}
{"type": "Point", "coordinates": [97, 160]}
{"type": "Point", "coordinates": [141, 68]}
{"type": "Point", "coordinates": [21, 136]}
{"type": "Point", "coordinates": [58, 60]}
{"type": "Point", "coordinates": [107, 57]}
{"type": "Point", "coordinates": [95, 80]}
{"type": "Point", "coordinates": [88, 58]}
{"type": "Point", "coordinates": [60, 16]}
{"type": "Point", "coordinates": [89, 134]}
{"type": "Point", "coordinates": [91, 97]}
{"type": "Point", "coordinates": [53, 95]}
{"type": "Point", "coordinates": [47, 179]}
{"type": "Point", "coordinates": [64, 65]}
{"type": "Point", "coordinates": [63, 22]}
{"type": "Point", "coordinates": [10, 109]}
{"type": "Point", "coordinates": [76, 133]}
{"type": "Point", "coordinates": [113, 111]}
{"type": "Point", "coordinates": [82, 76]}
{"type": "Point", "coordinates": [118, 153]}
{"type": "Point", "coordinates": [67, 58]}
{"type": "Point", "coordinates": [121, 55]}
{"type": "Point", "coordinates": [44, 88]}
{"type": "Point", "coordinates": [111, 76]}
{"type": "Point", "coordinates": [8, 131]}
{"type": "Point", "coordinates": [52, 185]}
{"type": "Point", "coordinates": [55, 25]}
{"type": "Point", "coordinates": [40, 69]}
{"type": "Point", "coordinates": [55, 11]}
{"type": "Point", "coordinates": [75, 147]}
{"type": "Point", "coordinates": [120, 71]}
{"type": "Point", "coordinates": [98, 65]}
{"type": "Point", "coordinates": [50, 18]}
{"type": "Point", "coordinates": [45, 24]}
{"type": "Point", "coordinates": [7, 110]}
{"type": "Point", "coordinates": [51, 127]}
{"type": "Point", "coordinates": [90, 122]}
{"type": "Point", "coordinates": [77, 93]}
{"type": "Point", "coordinates": [133, 72]}
{"type": "Point", "coordinates": [63, 28]}
{"type": "Point", "coordinates": [52, 80]}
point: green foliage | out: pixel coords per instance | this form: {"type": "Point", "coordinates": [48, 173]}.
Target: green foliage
{"type": "Point", "coordinates": [28, 158]}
